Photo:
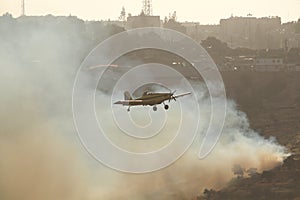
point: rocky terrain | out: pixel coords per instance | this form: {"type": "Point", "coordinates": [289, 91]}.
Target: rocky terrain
{"type": "Point", "coordinates": [279, 183]}
{"type": "Point", "coordinates": [272, 103]}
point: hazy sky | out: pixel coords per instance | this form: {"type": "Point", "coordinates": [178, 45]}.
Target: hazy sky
{"type": "Point", "coordinates": [205, 12]}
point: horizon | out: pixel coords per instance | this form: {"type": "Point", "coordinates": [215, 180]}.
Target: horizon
{"type": "Point", "coordinates": [187, 11]}
{"type": "Point", "coordinates": [112, 20]}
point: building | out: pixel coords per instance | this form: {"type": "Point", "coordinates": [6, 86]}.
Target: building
{"type": "Point", "coordinates": [268, 61]}
{"type": "Point", "coordinates": [191, 28]}
{"type": "Point", "coordinates": [251, 32]}
{"type": "Point", "coordinates": [201, 32]}
{"type": "Point", "coordinates": [116, 23]}
{"type": "Point", "coordinates": [141, 21]}
{"type": "Point", "coordinates": [268, 64]}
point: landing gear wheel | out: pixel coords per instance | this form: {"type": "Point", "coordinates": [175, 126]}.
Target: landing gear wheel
{"type": "Point", "coordinates": [154, 108]}
{"type": "Point", "coordinates": [166, 107]}
{"type": "Point", "coordinates": [128, 109]}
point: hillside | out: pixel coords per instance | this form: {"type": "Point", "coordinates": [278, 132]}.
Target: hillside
{"type": "Point", "coordinates": [272, 103]}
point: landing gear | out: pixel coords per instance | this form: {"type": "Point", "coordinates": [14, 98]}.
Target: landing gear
{"type": "Point", "coordinates": [154, 108]}
{"type": "Point", "coordinates": [166, 107]}
{"type": "Point", "coordinates": [128, 109]}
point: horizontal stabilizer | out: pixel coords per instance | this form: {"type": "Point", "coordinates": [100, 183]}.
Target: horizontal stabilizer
{"type": "Point", "coordinates": [127, 96]}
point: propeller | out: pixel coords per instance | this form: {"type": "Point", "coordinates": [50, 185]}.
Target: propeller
{"type": "Point", "coordinates": [172, 96]}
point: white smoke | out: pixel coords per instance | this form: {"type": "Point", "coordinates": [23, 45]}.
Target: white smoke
{"type": "Point", "coordinates": [40, 156]}
{"type": "Point", "coordinates": [187, 177]}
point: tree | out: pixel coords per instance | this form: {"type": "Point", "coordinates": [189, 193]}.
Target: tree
{"type": "Point", "coordinates": [171, 23]}
{"type": "Point", "coordinates": [7, 15]}
{"type": "Point", "coordinates": [123, 14]}
{"type": "Point", "coordinates": [297, 28]}
{"type": "Point", "coordinates": [238, 170]}
{"type": "Point", "coordinates": [252, 171]}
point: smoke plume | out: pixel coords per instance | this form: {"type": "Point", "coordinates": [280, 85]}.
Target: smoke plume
{"type": "Point", "coordinates": [40, 155]}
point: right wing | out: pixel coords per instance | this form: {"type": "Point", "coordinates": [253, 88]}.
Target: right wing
{"type": "Point", "coordinates": [181, 95]}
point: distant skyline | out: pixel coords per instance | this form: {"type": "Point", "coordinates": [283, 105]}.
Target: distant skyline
{"type": "Point", "coordinates": [205, 12]}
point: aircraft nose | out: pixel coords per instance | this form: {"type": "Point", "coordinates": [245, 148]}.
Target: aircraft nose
{"type": "Point", "coordinates": [118, 102]}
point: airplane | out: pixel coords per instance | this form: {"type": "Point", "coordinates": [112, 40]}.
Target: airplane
{"type": "Point", "coordinates": [149, 99]}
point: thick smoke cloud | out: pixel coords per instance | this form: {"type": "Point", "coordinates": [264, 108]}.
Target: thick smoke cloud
{"type": "Point", "coordinates": [40, 155]}
{"type": "Point", "coordinates": [238, 145]}
{"type": "Point", "coordinates": [39, 158]}
{"type": "Point", "coordinates": [36, 163]}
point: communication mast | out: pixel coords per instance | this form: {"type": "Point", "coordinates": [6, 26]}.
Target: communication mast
{"type": "Point", "coordinates": [22, 7]}
{"type": "Point", "coordinates": [147, 7]}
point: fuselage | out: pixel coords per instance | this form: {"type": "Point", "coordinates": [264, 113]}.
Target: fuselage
{"type": "Point", "coordinates": [152, 99]}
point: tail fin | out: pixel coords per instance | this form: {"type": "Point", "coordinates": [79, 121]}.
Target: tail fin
{"type": "Point", "coordinates": [127, 96]}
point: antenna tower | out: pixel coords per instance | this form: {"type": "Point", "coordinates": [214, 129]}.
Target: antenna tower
{"type": "Point", "coordinates": [22, 7]}
{"type": "Point", "coordinates": [147, 7]}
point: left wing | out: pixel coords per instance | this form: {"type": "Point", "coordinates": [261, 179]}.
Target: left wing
{"type": "Point", "coordinates": [128, 102]}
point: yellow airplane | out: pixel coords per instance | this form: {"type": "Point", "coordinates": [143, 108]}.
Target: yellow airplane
{"type": "Point", "coordinates": [149, 99]}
